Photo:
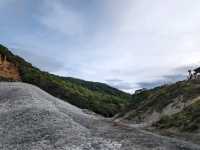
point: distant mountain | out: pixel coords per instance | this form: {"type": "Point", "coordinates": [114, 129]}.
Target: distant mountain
{"type": "Point", "coordinates": [97, 97]}
{"type": "Point", "coordinates": [174, 107]}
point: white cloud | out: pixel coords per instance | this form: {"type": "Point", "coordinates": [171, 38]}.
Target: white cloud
{"type": "Point", "coordinates": [146, 41]}
{"type": "Point", "coordinates": [136, 41]}
{"type": "Point", "coordinates": [61, 18]}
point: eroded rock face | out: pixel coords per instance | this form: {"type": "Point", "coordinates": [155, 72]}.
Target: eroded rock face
{"type": "Point", "coordinates": [8, 69]}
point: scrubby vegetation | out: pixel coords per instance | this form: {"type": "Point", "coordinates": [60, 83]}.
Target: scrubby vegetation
{"type": "Point", "coordinates": [97, 97]}
{"type": "Point", "coordinates": [157, 99]}
{"type": "Point", "coordinates": [187, 120]}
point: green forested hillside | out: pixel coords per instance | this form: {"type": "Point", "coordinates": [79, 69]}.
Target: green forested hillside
{"type": "Point", "coordinates": [97, 97]}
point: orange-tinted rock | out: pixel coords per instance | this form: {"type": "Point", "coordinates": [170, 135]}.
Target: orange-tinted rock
{"type": "Point", "coordinates": [8, 69]}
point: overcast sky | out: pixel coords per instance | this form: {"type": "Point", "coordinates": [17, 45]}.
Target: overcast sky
{"type": "Point", "coordinates": [129, 44]}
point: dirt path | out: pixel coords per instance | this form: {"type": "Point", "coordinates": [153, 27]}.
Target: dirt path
{"type": "Point", "coordinates": [133, 138]}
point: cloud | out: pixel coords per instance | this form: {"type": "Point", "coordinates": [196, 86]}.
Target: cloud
{"type": "Point", "coordinates": [60, 18]}
{"type": "Point", "coordinates": [168, 79]}
{"type": "Point", "coordinates": [138, 42]}
{"type": "Point", "coordinates": [149, 85]}
{"type": "Point", "coordinates": [43, 62]}
{"type": "Point", "coordinates": [131, 86]}
{"type": "Point", "coordinates": [174, 78]}
{"type": "Point", "coordinates": [177, 74]}
{"type": "Point", "coordinates": [120, 84]}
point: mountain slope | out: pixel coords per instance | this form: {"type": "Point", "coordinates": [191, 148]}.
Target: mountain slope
{"type": "Point", "coordinates": [187, 120]}
{"type": "Point", "coordinates": [171, 106]}
{"type": "Point", "coordinates": [31, 119]}
{"type": "Point", "coordinates": [97, 97]}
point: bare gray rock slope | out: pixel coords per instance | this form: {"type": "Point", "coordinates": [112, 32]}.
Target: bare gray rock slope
{"type": "Point", "coordinates": [31, 119]}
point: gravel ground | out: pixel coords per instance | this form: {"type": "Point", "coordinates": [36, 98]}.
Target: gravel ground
{"type": "Point", "coordinates": [31, 119]}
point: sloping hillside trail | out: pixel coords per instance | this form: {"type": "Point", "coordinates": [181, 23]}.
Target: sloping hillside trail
{"type": "Point", "coordinates": [31, 119]}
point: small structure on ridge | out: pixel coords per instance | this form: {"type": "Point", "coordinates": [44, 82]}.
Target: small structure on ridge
{"type": "Point", "coordinates": [194, 74]}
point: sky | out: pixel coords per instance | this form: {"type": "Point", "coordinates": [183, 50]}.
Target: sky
{"type": "Point", "coordinates": [128, 44]}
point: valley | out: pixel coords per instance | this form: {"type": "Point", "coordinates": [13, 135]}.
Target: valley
{"type": "Point", "coordinates": [40, 110]}
{"type": "Point", "coordinates": [32, 119]}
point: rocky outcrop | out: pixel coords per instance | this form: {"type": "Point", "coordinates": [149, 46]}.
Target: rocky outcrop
{"type": "Point", "coordinates": [31, 119]}
{"type": "Point", "coordinates": [8, 69]}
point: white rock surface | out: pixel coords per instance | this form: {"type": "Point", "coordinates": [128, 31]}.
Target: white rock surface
{"type": "Point", "coordinates": [31, 119]}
